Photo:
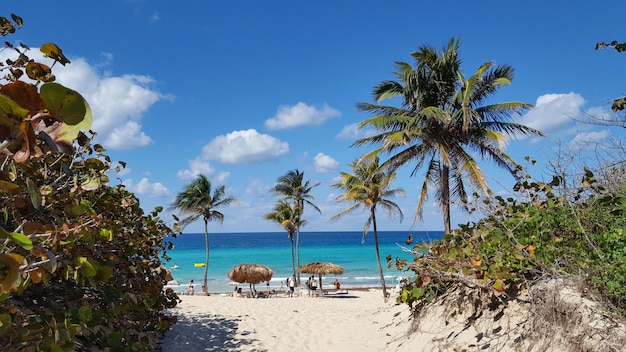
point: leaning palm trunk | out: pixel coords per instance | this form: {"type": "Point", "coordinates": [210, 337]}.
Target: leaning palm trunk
{"type": "Point", "coordinates": [205, 287]}
{"type": "Point", "coordinates": [380, 267]}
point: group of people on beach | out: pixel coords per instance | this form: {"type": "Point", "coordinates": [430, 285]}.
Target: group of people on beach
{"type": "Point", "coordinates": [311, 285]}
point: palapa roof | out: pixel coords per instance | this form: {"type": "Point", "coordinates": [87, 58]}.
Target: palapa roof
{"type": "Point", "coordinates": [250, 273]}
{"type": "Point", "coordinates": [322, 268]}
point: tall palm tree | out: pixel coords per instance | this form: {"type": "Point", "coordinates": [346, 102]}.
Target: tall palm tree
{"type": "Point", "coordinates": [293, 188]}
{"type": "Point", "coordinates": [442, 124]}
{"type": "Point", "coordinates": [368, 187]}
{"type": "Point", "coordinates": [285, 215]}
{"type": "Point", "coordinates": [198, 200]}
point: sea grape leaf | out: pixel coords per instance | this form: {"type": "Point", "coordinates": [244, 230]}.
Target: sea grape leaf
{"type": "Point", "coordinates": [12, 263]}
{"type": "Point", "coordinates": [68, 133]}
{"type": "Point", "coordinates": [65, 104]}
{"type": "Point", "coordinates": [84, 314]}
{"type": "Point", "coordinates": [38, 71]}
{"type": "Point", "coordinates": [25, 95]}
{"type": "Point", "coordinates": [5, 323]}
{"type": "Point", "coordinates": [6, 27]}
{"type": "Point", "coordinates": [8, 187]}
{"type": "Point", "coordinates": [88, 268]}
{"type": "Point", "coordinates": [75, 210]}
{"type": "Point", "coordinates": [37, 275]}
{"type": "Point", "coordinates": [18, 20]}
{"type": "Point", "coordinates": [9, 108]}
{"type": "Point", "coordinates": [52, 51]}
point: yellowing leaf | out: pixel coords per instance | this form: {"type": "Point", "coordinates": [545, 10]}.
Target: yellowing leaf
{"type": "Point", "coordinates": [498, 287]}
{"type": "Point", "coordinates": [52, 51]}
{"type": "Point", "coordinates": [12, 262]}
{"type": "Point", "coordinates": [37, 275]}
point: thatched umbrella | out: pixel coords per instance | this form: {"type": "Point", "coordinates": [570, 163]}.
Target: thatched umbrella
{"type": "Point", "coordinates": [321, 268]}
{"type": "Point", "coordinates": [250, 273]}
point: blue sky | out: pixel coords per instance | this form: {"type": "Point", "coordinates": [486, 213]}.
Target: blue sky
{"type": "Point", "coordinates": [244, 91]}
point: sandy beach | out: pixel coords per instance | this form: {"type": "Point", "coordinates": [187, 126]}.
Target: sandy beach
{"type": "Point", "coordinates": [357, 321]}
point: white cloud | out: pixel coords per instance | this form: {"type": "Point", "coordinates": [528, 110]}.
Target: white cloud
{"type": "Point", "coordinates": [199, 167]}
{"type": "Point", "coordinates": [247, 146]}
{"type": "Point", "coordinates": [352, 131]}
{"type": "Point", "coordinates": [145, 188]}
{"type": "Point", "coordinates": [258, 188]}
{"type": "Point", "coordinates": [196, 167]}
{"type": "Point", "coordinates": [155, 17]}
{"type": "Point", "coordinates": [553, 111]}
{"type": "Point", "coordinates": [300, 114]}
{"type": "Point", "coordinates": [585, 138]}
{"type": "Point", "coordinates": [118, 103]}
{"type": "Point", "coordinates": [325, 164]}
{"type": "Point", "coordinates": [128, 136]}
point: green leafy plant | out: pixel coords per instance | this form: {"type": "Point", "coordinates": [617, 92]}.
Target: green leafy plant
{"type": "Point", "coordinates": [525, 239]}
{"type": "Point", "coordinates": [80, 265]}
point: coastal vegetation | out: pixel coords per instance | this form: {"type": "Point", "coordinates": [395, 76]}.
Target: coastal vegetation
{"type": "Point", "coordinates": [292, 188]}
{"type": "Point", "coordinates": [197, 200]}
{"type": "Point", "coordinates": [80, 264]}
{"type": "Point", "coordinates": [563, 234]}
{"type": "Point", "coordinates": [368, 187]}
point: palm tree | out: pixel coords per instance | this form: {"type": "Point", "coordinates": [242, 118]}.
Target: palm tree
{"type": "Point", "coordinates": [368, 187]}
{"type": "Point", "coordinates": [198, 200]}
{"type": "Point", "coordinates": [292, 187]}
{"type": "Point", "coordinates": [442, 124]}
{"type": "Point", "coordinates": [285, 215]}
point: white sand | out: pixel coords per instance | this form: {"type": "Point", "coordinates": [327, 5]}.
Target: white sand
{"type": "Point", "coordinates": [362, 321]}
{"type": "Point", "coordinates": [357, 321]}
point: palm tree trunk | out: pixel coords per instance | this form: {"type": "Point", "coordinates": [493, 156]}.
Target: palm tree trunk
{"type": "Point", "coordinates": [205, 287]}
{"type": "Point", "coordinates": [380, 267]}
{"type": "Point", "coordinates": [298, 254]}
{"type": "Point", "coordinates": [445, 195]}
{"type": "Point", "coordinates": [293, 260]}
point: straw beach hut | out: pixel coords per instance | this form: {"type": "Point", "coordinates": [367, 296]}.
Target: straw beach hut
{"type": "Point", "coordinates": [250, 273]}
{"type": "Point", "coordinates": [321, 268]}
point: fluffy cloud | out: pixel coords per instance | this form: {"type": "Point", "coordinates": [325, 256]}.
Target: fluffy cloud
{"type": "Point", "coordinates": [247, 146]}
{"type": "Point", "coordinates": [325, 164]}
{"type": "Point", "coordinates": [554, 111]}
{"type": "Point", "coordinates": [145, 188]}
{"type": "Point", "coordinates": [199, 167]}
{"type": "Point", "coordinates": [300, 114]}
{"type": "Point", "coordinates": [117, 103]}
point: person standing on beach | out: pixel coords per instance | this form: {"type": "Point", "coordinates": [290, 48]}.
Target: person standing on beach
{"type": "Point", "coordinates": [190, 288]}
{"type": "Point", "coordinates": [291, 282]}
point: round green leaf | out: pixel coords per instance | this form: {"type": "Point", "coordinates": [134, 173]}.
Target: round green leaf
{"type": "Point", "coordinates": [65, 104]}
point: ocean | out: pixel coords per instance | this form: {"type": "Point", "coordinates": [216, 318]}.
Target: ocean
{"type": "Point", "coordinates": [273, 250]}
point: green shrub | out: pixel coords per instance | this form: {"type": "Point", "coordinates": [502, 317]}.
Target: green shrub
{"type": "Point", "coordinates": [80, 265]}
{"type": "Point", "coordinates": [529, 238]}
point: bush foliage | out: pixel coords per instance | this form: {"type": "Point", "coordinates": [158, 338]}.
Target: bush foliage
{"type": "Point", "coordinates": [537, 235]}
{"type": "Point", "coordinates": [79, 259]}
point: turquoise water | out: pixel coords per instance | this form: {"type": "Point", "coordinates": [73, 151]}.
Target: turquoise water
{"type": "Point", "coordinates": [272, 249]}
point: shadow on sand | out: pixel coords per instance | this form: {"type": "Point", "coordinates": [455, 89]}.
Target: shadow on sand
{"type": "Point", "coordinates": [209, 333]}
